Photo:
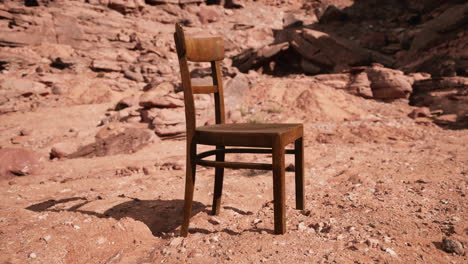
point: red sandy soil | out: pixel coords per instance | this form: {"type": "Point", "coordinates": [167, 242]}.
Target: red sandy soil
{"type": "Point", "coordinates": [376, 185]}
{"type": "Point", "coordinates": [380, 187]}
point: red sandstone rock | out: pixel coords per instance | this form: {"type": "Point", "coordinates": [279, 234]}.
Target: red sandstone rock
{"type": "Point", "coordinates": [154, 96]}
{"type": "Point", "coordinates": [19, 162]}
{"type": "Point", "coordinates": [420, 112]}
{"type": "Point", "coordinates": [208, 15]}
{"type": "Point", "coordinates": [388, 84]}
{"type": "Point", "coordinates": [114, 139]}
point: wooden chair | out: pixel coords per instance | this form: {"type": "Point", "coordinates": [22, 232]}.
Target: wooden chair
{"type": "Point", "coordinates": [270, 138]}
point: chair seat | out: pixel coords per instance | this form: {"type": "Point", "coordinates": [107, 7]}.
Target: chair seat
{"type": "Point", "coordinates": [247, 134]}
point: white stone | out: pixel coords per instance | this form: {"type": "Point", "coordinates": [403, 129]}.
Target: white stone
{"type": "Point", "coordinates": [301, 226]}
{"type": "Point", "coordinates": [101, 240]}
{"type": "Point", "coordinates": [215, 221]}
{"type": "Point", "coordinates": [391, 252]}
{"type": "Point", "coordinates": [176, 242]}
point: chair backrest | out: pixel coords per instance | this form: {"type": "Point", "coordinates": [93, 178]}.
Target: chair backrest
{"type": "Point", "coordinates": [200, 50]}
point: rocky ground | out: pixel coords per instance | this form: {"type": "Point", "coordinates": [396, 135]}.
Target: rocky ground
{"type": "Point", "coordinates": [92, 148]}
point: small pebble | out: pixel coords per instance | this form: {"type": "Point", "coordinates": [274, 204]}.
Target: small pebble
{"type": "Point", "coordinates": [391, 252]}
{"type": "Point", "coordinates": [165, 252]}
{"type": "Point", "coordinates": [41, 217]}
{"type": "Point", "coordinates": [301, 226]}
{"type": "Point", "coordinates": [215, 221]}
{"type": "Point", "coordinates": [25, 132]}
{"type": "Point", "coordinates": [373, 243]}
{"type": "Point", "coordinates": [290, 167]}
{"type": "Point", "coordinates": [101, 240]}
{"type": "Point", "coordinates": [176, 242]}
{"type": "Point", "coordinates": [47, 238]}
{"type": "Point", "coordinates": [453, 246]}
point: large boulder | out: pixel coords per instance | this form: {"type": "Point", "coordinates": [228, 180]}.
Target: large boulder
{"type": "Point", "coordinates": [328, 52]}
{"type": "Point", "coordinates": [360, 85]}
{"type": "Point", "coordinates": [169, 122]}
{"type": "Point", "coordinates": [387, 83]}
{"type": "Point", "coordinates": [19, 162]}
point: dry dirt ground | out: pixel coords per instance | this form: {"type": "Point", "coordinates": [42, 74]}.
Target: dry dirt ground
{"type": "Point", "coordinates": [380, 187]}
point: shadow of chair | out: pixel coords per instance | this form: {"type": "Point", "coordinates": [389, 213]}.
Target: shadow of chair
{"type": "Point", "coordinates": [161, 216]}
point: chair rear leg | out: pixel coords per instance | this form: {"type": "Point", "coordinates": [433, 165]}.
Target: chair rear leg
{"type": "Point", "coordinates": [189, 187]}
{"type": "Point", "coordinates": [299, 171]}
{"type": "Point", "coordinates": [279, 189]}
{"type": "Point", "coordinates": [218, 186]}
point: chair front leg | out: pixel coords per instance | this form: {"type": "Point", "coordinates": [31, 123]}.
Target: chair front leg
{"type": "Point", "coordinates": [189, 186]}
{"type": "Point", "coordinates": [218, 186]}
{"type": "Point", "coordinates": [279, 188]}
{"type": "Point", "coordinates": [299, 172]}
